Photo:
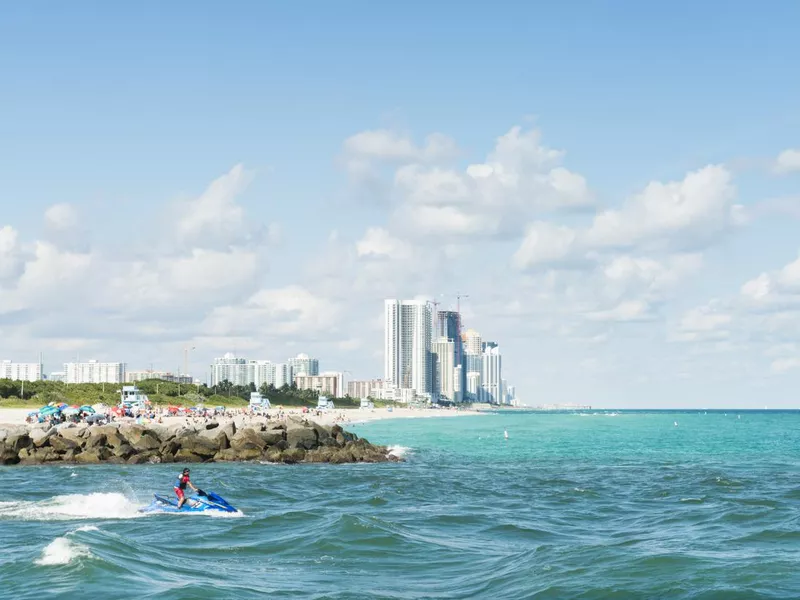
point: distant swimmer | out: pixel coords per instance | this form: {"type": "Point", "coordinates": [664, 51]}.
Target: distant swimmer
{"type": "Point", "coordinates": [505, 434]}
{"type": "Point", "coordinates": [676, 423]}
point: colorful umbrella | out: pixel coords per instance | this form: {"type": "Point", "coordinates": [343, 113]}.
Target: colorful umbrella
{"type": "Point", "coordinates": [87, 409]}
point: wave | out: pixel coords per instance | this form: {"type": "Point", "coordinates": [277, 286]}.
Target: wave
{"type": "Point", "coordinates": [73, 507]}
{"type": "Point", "coordinates": [63, 550]}
{"type": "Point", "coordinates": [399, 451]}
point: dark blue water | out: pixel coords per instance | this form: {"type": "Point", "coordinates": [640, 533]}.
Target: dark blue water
{"type": "Point", "coordinates": [626, 505]}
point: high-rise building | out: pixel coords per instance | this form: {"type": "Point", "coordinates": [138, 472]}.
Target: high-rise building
{"type": "Point", "coordinates": [407, 345]}
{"type": "Point", "coordinates": [230, 368]}
{"type": "Point", "coordinates": [260, 372]}
{"type": "Point", "coordinates": [283, 375]}
{"type": "Point", "coordinates": [302, 364]}
{"type": "Point", "coordinates": [447, 324]}
{"type": "Point", "coordinates": [472, 342]}
{"type": "Point", "coordinates": [20, 371]}
{"type": "Point", "coordinates": [473, 386]}
{"type": "Point", "coordinates": [444, 370]}
{"type": "Point", "coordinates": [94, 372]}
{"type": "Point", "coordinates": [491, 376]}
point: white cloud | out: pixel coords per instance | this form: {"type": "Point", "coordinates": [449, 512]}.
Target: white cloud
{"type": "Point", "coordinates": [678, 213]}
{"type": "Point", "coordinates": [704, 323]}
{"type": "Point", "coordinates": [281, 312]}
{"type": "Point", "coordinates": [214, 217]}
{"type": "Point", "coordinates": [781, 365]}
{"type": "Point", "coordinates": [788, 161]}
{"type": "Point", "coordinates": [377, 242]}
{"type": "Point", "coordinates": [519, 179]}
{"type": "Point", "coordinates": [546, 244]}
{"type": "Point", "coordinates": [777, 290]}
{"type": "Point", "coordinates": [391, 146]}
{"type": "Point", "coordinates": [61, 217]}
{"type": "Point", "coordinates": [10, 258]}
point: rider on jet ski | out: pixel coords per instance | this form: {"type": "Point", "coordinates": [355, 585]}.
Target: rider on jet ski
{"type": "Point", "coordinates": [180, 486]}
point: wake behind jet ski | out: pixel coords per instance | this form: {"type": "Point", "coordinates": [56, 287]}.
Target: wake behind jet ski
{"type": "Point", "coordinates": [196, 503]}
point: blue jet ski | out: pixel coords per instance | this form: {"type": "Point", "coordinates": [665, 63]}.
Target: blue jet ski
{"type": "Point", "coordinates": [199, 502]}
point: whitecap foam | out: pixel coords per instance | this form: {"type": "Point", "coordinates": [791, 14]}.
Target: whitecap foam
{"type": "Point", "coordinates": [73, 506]}
{"type": "Point", "coordinates": [62, 551]}
{"type": "Point", "coordinates": [399, 451]}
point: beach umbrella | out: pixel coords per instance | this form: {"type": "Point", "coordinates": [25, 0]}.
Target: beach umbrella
{"type": "Point", "coordinates": [71, 411]}
{"type": "Point", "coordinates": [87, 409]}
{"type": "Point", "coordinates": [49, 410]}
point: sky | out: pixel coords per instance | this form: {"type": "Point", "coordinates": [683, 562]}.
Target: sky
{"type": "Point", "coordinates": [614, 185]}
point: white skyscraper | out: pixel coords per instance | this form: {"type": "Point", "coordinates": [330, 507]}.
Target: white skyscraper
{"type": "Point", "coordinates": [444, 354]}
{"type": "Point", "coordinates": [229, 368]}
{"type": "Point", "coordinates": [94, 372]}
{"type": "Point", "coordinates": [491, 376]}
{"type": "Point", "coordinates": [261, 372]}
{"type": "Point", "coordinates": [283, 375]}
{"type": "Point", "coordinates": [302, 364]}
{"type": "Point", "coordinates": [407, 345]}
{"type": "Point", "coordinates": [20, 371]}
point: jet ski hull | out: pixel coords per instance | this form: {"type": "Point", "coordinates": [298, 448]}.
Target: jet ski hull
{"type": "Point", "coordinates": [195, 503]}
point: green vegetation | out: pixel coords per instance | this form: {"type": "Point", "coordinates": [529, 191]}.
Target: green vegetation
{"type": "Point", "coordinates": [18, 394]}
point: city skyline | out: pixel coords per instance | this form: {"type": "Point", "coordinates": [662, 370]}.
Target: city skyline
{"type": "Point", "coordinates": [621, 209]}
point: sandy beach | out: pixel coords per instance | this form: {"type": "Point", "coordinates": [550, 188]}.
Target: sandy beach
{"type": "Point", "coordinates": [344, 416]}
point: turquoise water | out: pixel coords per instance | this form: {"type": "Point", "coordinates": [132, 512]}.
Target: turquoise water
{"type": "Point", "coordinates": [569, 506]}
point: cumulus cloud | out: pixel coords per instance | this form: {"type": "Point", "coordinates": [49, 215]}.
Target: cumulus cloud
{"type": "Point", "coordinates": [664, 217]}
{"type": "Point", "coordinates": [704, 323]}
{"type": "Point", "coordinates": [788, 161]}
{"type": "Point", "coordinates": [776, 290]}
{"type": "Point", "coordinates": [61, 217]}
{"type": "Point", "coordinates": [215, 217]}
{"type": "Point", "coordinates": [519, 178]}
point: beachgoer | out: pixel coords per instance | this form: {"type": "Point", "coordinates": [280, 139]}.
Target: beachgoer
{"type": "Point", "coordinates": [180, 486]}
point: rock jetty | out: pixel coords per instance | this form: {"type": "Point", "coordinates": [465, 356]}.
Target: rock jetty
{"type": "Point", "coordinates": [290, 441]}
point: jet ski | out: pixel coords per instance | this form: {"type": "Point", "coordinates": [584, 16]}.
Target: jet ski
{"type": "Point", "coordinates": [196, 503]}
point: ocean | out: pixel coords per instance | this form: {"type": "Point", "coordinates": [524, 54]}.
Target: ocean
{"type": "Point", "coordinates": [626, 504]}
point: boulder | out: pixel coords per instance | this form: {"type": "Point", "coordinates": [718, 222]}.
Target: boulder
{"type": "Point", "coordinates": [217, 437]}
{"type": "Point", "coordinates": [93, 456]}
{"type": "Point", "coordinates": [111, 432]}
{"type": "Point", "coordinates": [150, 456]}
{"type": "Point", "coordinates": [40, 436]}
{"type": "Point", "coordinates": [45, 454]}
{"type": "Point", "coordinates": [184, 455]}
{"type": "Point", "coordinates": [8, 456]}
{"type": "Point", "coordinates": [299, 436]}
{"type": "Point", "coordinates": [198, 445]}
{"type": "Point", "coordinates": [293, 455]}
{"type": "Point", "coordinates": [73, 432]}
{"type": "Point", "coordinates": [123, 451]}
{"type": "Point", "coordinates": [248, 439]}
{"type": "Point", "coordinates": [229, 454]}
{"type": "Point", "coordinates": [62, 444]}
{"type": "Point", "coordinates": [273, 455]}
{"type": "Point", "coordinates": [140, 438]}
{"type": "Point", "coordinates": [320, 455]}
{"type": "Point", "coordinates": [95, 440]}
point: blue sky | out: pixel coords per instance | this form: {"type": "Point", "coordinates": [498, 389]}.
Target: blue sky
{"type": "Point", "coordinates": [648, 262]}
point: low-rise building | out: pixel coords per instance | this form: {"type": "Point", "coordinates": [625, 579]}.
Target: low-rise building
{"type": "Point", "coordinates": [20, 371]}
{"type": "Point", "coordinates": [366, 388]}
{"type": "Point", "coordinates": [328, 384]}
{"type": "Point", "coordinates": [94, 372]}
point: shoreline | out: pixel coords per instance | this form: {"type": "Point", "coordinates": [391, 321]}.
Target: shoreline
{"type": "Point", "coordinates": [339, 416]}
